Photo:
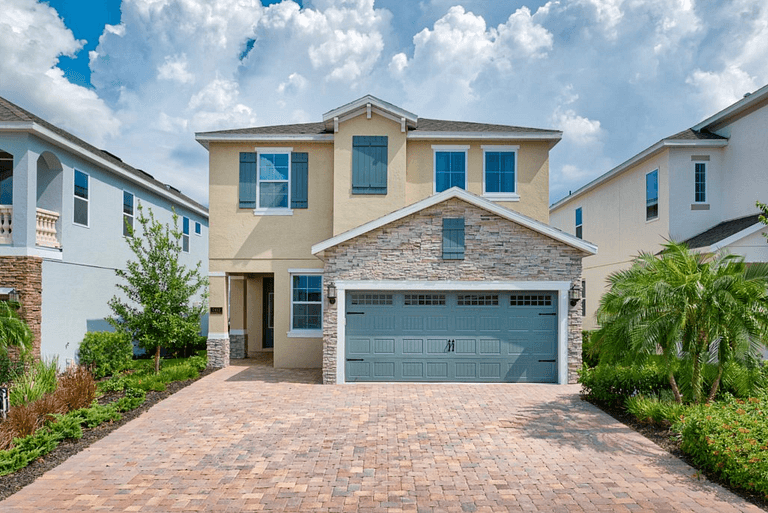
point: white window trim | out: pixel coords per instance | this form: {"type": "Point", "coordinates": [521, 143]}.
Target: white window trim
{"type": "Point", "coordinates": [258, 211]}
{"type": "Point", "coordinates": [450, 148]}
{"type": "Point", "coordinates": [201, 229]}
{"type": "Point", "coordinates": [189, 239]}
{"type": "Point", "coordinates": [122, 210]}
{"type": "Point", "coordinates": [695, 163]}
{"type": "Point", "coordinates": [297, 333]}
{"type": "Point", "coordinates": [87, 201]}
{"type": "Point", "coordinates": [658, 194]}
{"type": "Point", "coordinates": [501, 196]}
{"type": "Point", "coordinates": [560, 287]}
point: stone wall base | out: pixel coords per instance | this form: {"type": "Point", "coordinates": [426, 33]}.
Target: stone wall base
{"type": "Point", "coordinates": [218, 353]}
{"type": "Point", "coordinates": [238, 346]}
{"type": "Point", "coordinates": [25, 274]}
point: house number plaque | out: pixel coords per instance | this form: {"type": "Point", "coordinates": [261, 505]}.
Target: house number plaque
{"type": "Point", "coordinates": [217, 310]}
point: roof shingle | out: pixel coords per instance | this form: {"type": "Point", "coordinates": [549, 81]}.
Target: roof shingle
{"type": "Point", "coordinates": [722, 231]}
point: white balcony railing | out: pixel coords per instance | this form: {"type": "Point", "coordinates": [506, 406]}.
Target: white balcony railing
{"type": "Point", "coordinates": [46, 229]}
{"type": "Point", "coordinates": [6, 231]}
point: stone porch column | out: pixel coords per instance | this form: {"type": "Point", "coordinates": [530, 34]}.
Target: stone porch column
{"type": "Point", "coordinates": [218, 321]}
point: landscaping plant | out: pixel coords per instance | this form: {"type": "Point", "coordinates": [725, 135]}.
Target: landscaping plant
{"type": "Point", "coordinates": [682, 303]}
{"type": "Point", "coordinates": [38, 380]}
{"type": "Point", "coordinates": [14, 332]}
{"type": "Point", "coordinates": [159, 310]}
{"type": "Point", "coordinates": [106, 353]}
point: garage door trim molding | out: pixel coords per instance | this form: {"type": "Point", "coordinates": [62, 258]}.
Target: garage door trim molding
{"type": "Point", "coordinates": [561, 287]}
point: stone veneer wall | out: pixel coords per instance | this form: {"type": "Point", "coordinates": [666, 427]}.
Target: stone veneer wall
{"type": "Point", "coordinates": [25, 274]}
{"type": "Point", "coordinates": [218, 353]}
{"type": "Point", "coordinates": [238, 348]}
{"type": "Point", "coordinates": [411, 249]}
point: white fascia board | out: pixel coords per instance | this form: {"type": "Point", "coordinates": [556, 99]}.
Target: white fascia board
{"type": "Point", "coordinates": [375, 102]}
{"type": "Point", "coordinates": [737, 237]}
{"type": "Point", "coordinates": [734, 109]}
{"type": "Point", "coordinates": [455, 192]}
{"type": "Point", "coordinates": [56, 139]}
{"type": "Point", "coordinates": [529, 136]}
{"type": "Point", "coordinates": [450, 285]}
{"type": "Point", "coordinates": [643, 155]}
{"type": "Point", "coordinates": [205, 139]}
{"type": "Point", "coordinates": [45, 254]}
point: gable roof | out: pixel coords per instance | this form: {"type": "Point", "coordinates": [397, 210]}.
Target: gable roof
{"type": "Point", "coordinates": [726, 233]}
{"type": "Point", "coordinates": [688, 138]}
{"type": "Point", "coordinates": [470, 198]}
{"type": "Point", "coordinates": [749, 103]}
{"type": "Point", "coordinates": [416, 127]}
{"type": "Point", "coordinates": [15, 118]}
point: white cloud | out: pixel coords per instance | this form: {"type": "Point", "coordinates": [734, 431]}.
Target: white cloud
{"type": "Point", "coordinates": [580, 130]}
{"type": "Point", "coordinates": [175, 68]}
{"type": "Point", "coordinates": [718, 90]}
{"type": "Point", "coordinates": [33, 39]}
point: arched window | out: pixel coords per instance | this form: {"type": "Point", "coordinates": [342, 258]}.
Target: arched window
{"type": "Point", "coordinates": [6, 178]}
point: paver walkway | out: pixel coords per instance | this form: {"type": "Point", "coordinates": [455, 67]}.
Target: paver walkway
{"type": "Point", "coordinates": [252, 438]}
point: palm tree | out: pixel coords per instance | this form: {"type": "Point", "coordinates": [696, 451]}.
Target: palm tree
{"type": "Point", "coordinates": [14, 332]}
{"type": "Point", "coordinates": [683, 304]}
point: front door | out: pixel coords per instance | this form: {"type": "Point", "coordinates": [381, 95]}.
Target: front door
{"type": "Point", "coordinates": [269, 312]}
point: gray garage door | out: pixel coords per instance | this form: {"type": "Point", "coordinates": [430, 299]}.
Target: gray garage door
{"type": "Point", "coordinates": [451, 336]}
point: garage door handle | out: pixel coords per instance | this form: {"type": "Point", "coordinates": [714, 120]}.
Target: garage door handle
{"type": "Point", "coordinates": [355, 313]}
{"type": "Point", "coordinates": [540, 361]}
{"type": "Point", "coordinates": [553, 313]}
{"type": "Point", "coordinates": [360, 359]}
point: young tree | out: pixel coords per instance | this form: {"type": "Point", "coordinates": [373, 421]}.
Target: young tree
{"type": "Point", "coordinates": [684, 304]}
{"type": "Point", "coordinates": [14, 332]}
{"type": "Point", "coordinates": [763, 216]}
{"type": "Point", "coordinates": [159, 289]}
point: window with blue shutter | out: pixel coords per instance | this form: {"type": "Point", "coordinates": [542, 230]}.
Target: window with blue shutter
{"type": "Point", "coordinates": [247, 180]}
{"type": "Point", "coordinates": [299, 180]}
{"type": "Point", "coordinates": [369, 164]}
{"type": "Point", "coordinates": [450, 170]}
{"type": "Point", "coordinates": [453, 238]}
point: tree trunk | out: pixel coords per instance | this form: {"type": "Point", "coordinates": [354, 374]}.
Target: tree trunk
{"type": "Point", "coordinates": [696, 378]}
{"type": "Point", "coordinates": [716, 383]}
{"type": "Point", "coordinates": [675, 389]}
{"type": "Point", "coordinates": [157, 360]}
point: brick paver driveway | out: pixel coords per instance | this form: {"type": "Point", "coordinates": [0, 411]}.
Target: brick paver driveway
{"type": "Point", "coordinates": [251, 438]}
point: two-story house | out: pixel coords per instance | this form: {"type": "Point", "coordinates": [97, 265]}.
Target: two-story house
{"type": "Point", "coordinates": [64, 207]}
{"type": "Point", "coordinates": [699, 186]}
{"type": "Point", "coordinates": [382, 246]}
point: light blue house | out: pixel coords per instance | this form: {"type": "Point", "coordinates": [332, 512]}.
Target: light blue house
{"type": "Point", "coordinates": [63, 208]}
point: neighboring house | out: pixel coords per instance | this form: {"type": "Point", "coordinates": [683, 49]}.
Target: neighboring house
{"type": "Point", "coordinates": [384, 247]}
{"type": "Point", "coordinates": [698, 186]}
{"type": "Point", "coordinates": [63, 209]}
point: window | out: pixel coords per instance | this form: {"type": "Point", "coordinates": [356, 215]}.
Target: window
{"type": "Point", "coordinates": [81, 198]}
{"type": "Point", "coordinates": [477, 300]}
{"type": "Point", "coordinates": [583, 298]}
{"type": "Point", "coordinates": [127, 214]}
{"type": "Point", "coordinates": [185, 234]}
{"type": "Point", "coordinates": [499, 172]}
{"type": "Point", "coordinates": [198, 228]}
{"type": "Point", "coordinates": [306, 302]}
{"type": "Point", "coordinates": [578, 223]}
{"type": "Point", "coordinates": [530, 300]}
{"type": "Point", "coordinates": [424, 300]}
{"type": "Point", "coordinates": [272, 179]}
{"type": "Point", "coordinates": [700, 183]}
{"type": "Point", "coordinates": [652, 195]}
{"type": "Point", "coordinates": [6, 178]}
{"type": "Point", "coordinates": [360, 298]}
{"type": "Point", "coordinates": [369, 164]}
{"type": "Point", "coordinates": [453, 238]}
{"type": "Point", "coordinates": [450, 167]}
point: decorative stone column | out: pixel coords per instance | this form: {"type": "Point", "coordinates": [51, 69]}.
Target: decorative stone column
{"type": "Point", "coordinates": [218, 330]}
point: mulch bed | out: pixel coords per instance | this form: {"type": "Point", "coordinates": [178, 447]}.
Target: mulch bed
{"type": "Point", "coordinates": [670, 442]}
{"type": "Point", "coordinates": [12, 483]}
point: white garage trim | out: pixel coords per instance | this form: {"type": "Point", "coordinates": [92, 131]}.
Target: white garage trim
{"type": "Point", "coordinates": [561, 287]}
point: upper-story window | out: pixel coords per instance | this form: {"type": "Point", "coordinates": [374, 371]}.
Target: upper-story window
{"type": "Point", "coordinates": [652, 195]}
{"type": "Point", "coordinates": [273, 181]}
{"type": "Point", "coordinates": [81, 198]}
{"type": "Point", "coordinates": [700, 182]}
{"type": "Point", "coordinates": [578, 223]}
{"type": "Point", "coordinates": [6, 178]}
{"type": "Point", "coordinates": [369, 164]}
{"type": "Point", "coordinates": [127, 213]}
{"type": "Point", "coordinates": [198, 228]}
{"type": "Point", "coordinates": [185, 234]}
{"type": "Point", "coordinates": [500, 172]}
{"type": "Point", "coordinates": [450, 167]}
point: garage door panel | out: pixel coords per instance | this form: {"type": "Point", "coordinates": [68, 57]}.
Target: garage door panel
{"type": "Point", "coordinates": [404, 336]}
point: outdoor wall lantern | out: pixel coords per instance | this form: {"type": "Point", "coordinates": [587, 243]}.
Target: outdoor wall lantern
{"type": "Point", "coordinates": [332, 294]}
{"type": "Point", "coordinates": [4, 403]}
{"type": "Point", "coordinates": [574, 295]}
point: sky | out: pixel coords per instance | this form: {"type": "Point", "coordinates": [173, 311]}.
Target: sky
{"type": "Point", "coordinates": [140, 77]}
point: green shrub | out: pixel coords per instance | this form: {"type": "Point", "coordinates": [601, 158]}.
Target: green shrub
{"type": "Point", "coordinates": [105, 352]}
{"type": "Point", "coordinates": [730, 438]}
{"type": "Point", "coordinates": [589, 355]}
{"type": "Point", "coordinates": [10, 369]}
{"type": "Point", "coordinates": [40, 379]}
{"type": "Point", "coordinates": [662, 410]}
{"type": "Point", "coordinates": [181, 372]}
{"type": "Point", "coordinates": [95, 415]}
{"type": "Point", "coordinates": [116, 383]}
{"type": "Point", "coordinates": [198, 362]}
{"type": "Point", "coordinates": [612, 385]}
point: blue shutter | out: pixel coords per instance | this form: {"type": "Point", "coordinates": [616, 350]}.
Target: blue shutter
{"type": "Point", "coordinates": [299, 180]}
{"type": "Point", "coordinates": [369, 164]}
{"type": "Point", "coordinates": [453, 238]}
{"type": "Point", "coordinates": [247, 180]}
